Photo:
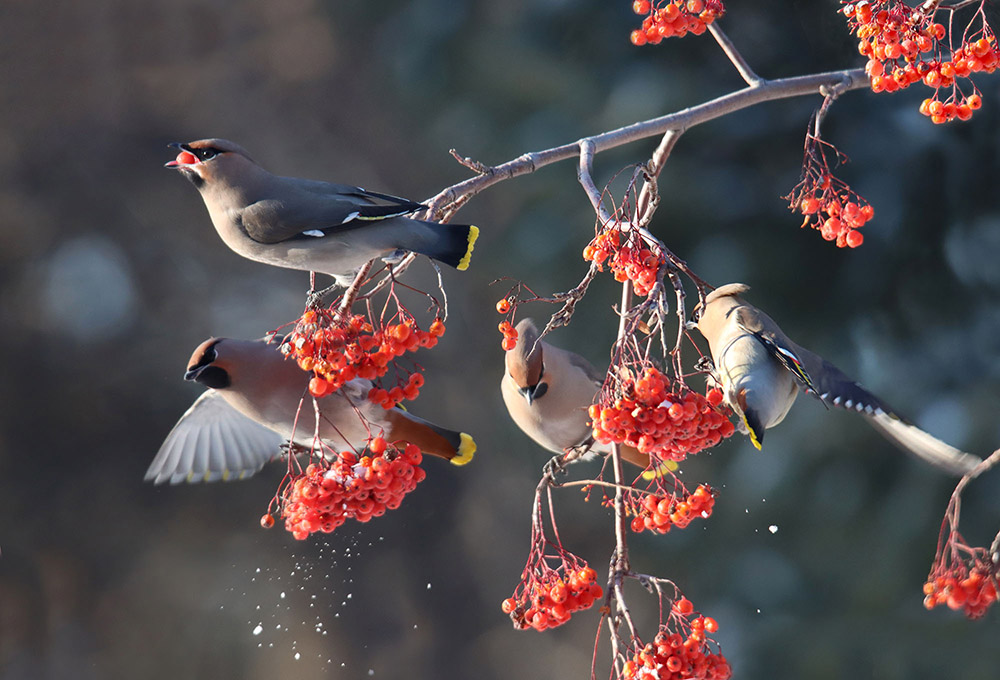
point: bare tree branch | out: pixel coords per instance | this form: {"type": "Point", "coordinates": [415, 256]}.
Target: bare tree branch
{"type": "Point", "coordinates": [681, 120]}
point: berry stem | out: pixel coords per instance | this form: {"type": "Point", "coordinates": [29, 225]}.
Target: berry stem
{"type": "Point", "coordinates": [352, 291]}
{"type": "Point", "coordinates": [619, 562]}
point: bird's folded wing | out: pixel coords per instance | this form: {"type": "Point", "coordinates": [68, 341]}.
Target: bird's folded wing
{"type": "Point", "coordinates": [335, 209]}
{"type": "Point", "coordinates": [597, 377]}
{"type": "Point", "coordinates": [213, 441]}
{"type": "Point", "coordinates": [815, 374]}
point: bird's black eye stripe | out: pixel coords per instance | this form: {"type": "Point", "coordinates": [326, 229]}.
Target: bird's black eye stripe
{"type": "Point", "coordinates": [207, 152]}
{"type": "Point", "coordinates": [207, 357]}
{"type": "Point", "coordinates": [214, 377]}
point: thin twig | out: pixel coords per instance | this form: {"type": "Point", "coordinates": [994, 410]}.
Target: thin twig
{"type": "Point", "coordinates": [747, 73]}
{"type": "Point", "coordinates": [352, 291]}
{"type": "Point", "coordinates": [655, 166]}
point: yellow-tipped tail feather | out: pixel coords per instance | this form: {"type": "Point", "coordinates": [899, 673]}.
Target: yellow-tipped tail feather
{"type": "Point", "coordinates": [466, 450]}
{"type": "Point", "coordinates": [463, 264]}
{"type": "Point", "coordinates": [750, 431]}
{"type": "Point", "coordinates": [661, 470]}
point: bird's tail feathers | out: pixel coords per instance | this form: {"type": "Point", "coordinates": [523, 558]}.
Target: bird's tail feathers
{"type": "Point", "coordinates": [456, 447]}
{"type": "Point", "coordinates": [452, 244]}
{"type": "Point", "coordinates": [639, 459]}
{"type": "Point", "coordinates": [914, 440]}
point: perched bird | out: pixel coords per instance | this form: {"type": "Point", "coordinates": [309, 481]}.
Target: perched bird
{"type": "Point", "coordinates": [253, 405]}
{"type": "Point", "coordinates": [547, 391]}
{"type": "Point", "coordinates": [761, 371]}
{"type": "Point", "coordinates": [305, 224]}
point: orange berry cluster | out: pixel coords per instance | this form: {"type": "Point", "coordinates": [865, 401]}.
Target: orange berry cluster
{"type": "Point", "coordinates": [652, 418]}
{"type": "Point", "coordinates": [676, 656]}
{"type": "Point", "coordinates": [972, 590]}
{"type": "Point", "coordinates": [389, 398]}
{"type": "Point", "coordinates": [350, 487]}
{"type": "Point", "coordinates": [660, 512]}
{"type": "Point", "coordinates": [509, 335]}
{"type": "Point", "coordinates": [548, 599]}
{"type": "Point", "coordinates": [904, 46]}
{"type": "Point", "coordinates": [843, 217]}
{"type": "Point", "coordinates": [636, 263]}
{"type": "Point", "coordinates": [339, 350]}
{"type": "Point", "coordinates": [676, 18]}
{"type": "Point", "coordinates": [826, 203]}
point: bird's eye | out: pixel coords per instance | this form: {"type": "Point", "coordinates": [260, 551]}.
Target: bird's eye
{"type": "Point", "coordinates": [206, 153]}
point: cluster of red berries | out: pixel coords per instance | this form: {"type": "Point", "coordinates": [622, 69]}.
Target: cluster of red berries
{"type": "Point", "coordinates": [389, 398]}
{"type": "Point", "coordinates": [654, 419]}
{"type": "Point", "coordinates": [904, 46]}
{"type": "Point", "coordinates": [547, 599]}
{"type": "Point", "coordinates": [971, 589]}
{"type": "Point", "coordinates": [509, 334]}
{"type": "Point", "coordinates": [632, 262]}
{"type": "Point", "coordinates": [660, 512]}
{"type": "Point", "coordinates": [674, 655]}
{"type": "Point", "coordinates": [676, 18]}
{"type": "Point", "coordinates": [339, 350]}
{"type": "Point", "coordinates": [826, 203]}
{"type": "Point", "coordinates": [843, 217]}
{"type": "Point", "coordinates": [351, 487]}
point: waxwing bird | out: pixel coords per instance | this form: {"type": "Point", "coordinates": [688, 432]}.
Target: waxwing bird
{"type": "Point", "coordinates": [309, 225]}
{"type": "Point", "coordinates": [547, 391]}
{"type": "Point", "coordinates": [252, 406]}
{"type": "Point", "coordinates": [761, 371]}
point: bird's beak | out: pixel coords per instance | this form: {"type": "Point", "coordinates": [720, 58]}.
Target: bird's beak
{"type": "Point", "coordinates": [528, 393]}
{"type": "Point", "coordinates": [184, 159]}
{"type": "Point", "coordinates": [193, 373]}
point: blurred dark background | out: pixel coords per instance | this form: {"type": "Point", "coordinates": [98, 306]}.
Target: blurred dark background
{"type": "Point", "coordinates": [111, 274]}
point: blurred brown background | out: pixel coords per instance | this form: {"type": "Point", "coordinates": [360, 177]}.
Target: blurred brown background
{"type": "Point", "coordinates": [110, 274]}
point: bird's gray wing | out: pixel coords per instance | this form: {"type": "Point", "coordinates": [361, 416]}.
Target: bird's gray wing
{"type": "Point", "coordinates": [213, 441]}
{"type": "Point", "coordinates": [832, 386]}
{"type": "Point", "coordinates": [307, 210]}
{"type": "Point", "coordinates": [814, 374]}
{"type": "Point", "coordinates": [596, 376]}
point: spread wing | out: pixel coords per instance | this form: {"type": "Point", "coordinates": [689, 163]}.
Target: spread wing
{"type": "Point", "coordinates": [829, 384]}
{"type": "Point", "coordinates": [306, 209]}
{"type": "Point", "coordinates": [213, 441]}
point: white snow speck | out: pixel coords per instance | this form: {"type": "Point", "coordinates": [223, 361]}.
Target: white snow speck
{"type": "Point", "coordinates": [773, 528]}
{"type": "Point", "coordinates": [258, 630]}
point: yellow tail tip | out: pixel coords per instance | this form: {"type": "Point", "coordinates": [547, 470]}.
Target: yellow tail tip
{"type": "Point", "coordinates": [463, 264]}
{"type": "Point", "coordinates": [753, 435]}
{"type": "Point", "coordinates": [661, 470]}
{"type": "Point", "coordinates": [466, 450]}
